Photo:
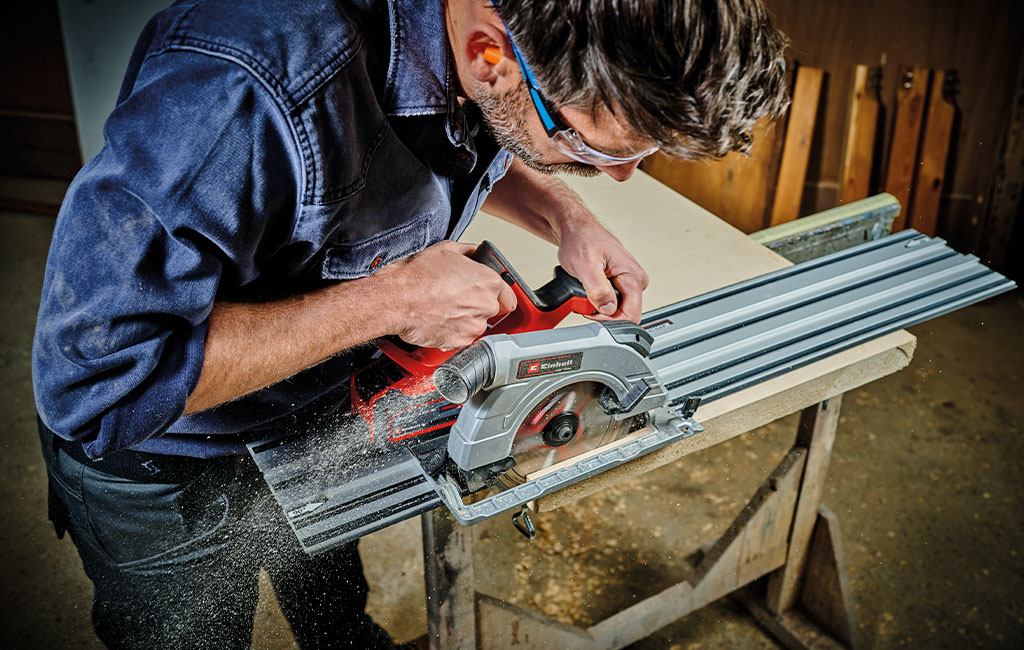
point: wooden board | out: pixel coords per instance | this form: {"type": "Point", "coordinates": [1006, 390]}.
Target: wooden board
{"type": "Point", "coordinates": [684, 248]}
{"type": "Point", "coordinates": [688, 251]}
{"type": "Point", "coordinates": [796, 148]}
{"type": "Point", "coordinates": [911, 96]}
{"type": "Point", "coordinates": [931, 170]}
{"type": "Point", "coordinates": [738, 188]}
{"type": "Point", "coordinates": [1007, 185]}
{"type": "Point", "coordinates": [859, 151]}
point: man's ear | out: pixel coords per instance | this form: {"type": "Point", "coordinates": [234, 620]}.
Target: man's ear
{"type": "Point", "coordinates": [489, 56]}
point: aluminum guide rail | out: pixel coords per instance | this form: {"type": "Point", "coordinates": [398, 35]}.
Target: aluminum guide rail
{"type": "Point", "coordinates": [706, 347]}
{"type": "Point", "coordinates": [733, 338]}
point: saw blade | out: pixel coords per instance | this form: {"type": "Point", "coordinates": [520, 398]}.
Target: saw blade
{"type": "Point", "coordinates": [595, 428]}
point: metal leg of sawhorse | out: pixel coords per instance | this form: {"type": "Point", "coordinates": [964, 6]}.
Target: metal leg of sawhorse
{"type": "Point", "coordinates": [781, 557]}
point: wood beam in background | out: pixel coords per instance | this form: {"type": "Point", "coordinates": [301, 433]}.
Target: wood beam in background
{"type": "Point", "coordinates": [911, 93]}
{"type": "Point", "coordinates": [796, 149]}
{"type": "Point", "coordinates": [931, 172]}
{"type": "Point", "coordinates": [862, 123]}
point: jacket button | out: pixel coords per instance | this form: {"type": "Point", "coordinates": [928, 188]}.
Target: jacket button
{"type": "Point", "coordinates": [376, 262]}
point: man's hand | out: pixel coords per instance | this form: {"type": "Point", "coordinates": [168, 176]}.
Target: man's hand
{"type": "Point", "coordinates": [546, 207]}
{"type": "Point", "coordinates": [443, 298]}
{"type": "Point", "coordinates": [597, 259]}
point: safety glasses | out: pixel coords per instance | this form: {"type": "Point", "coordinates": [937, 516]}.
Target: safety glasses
{"type": "Point", "coordinates": [564, 137]}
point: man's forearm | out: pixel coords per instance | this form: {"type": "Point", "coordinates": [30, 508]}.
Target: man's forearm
{"type": "Point", "coordinates": [540, 203]}
{"type": "Point", "coordinates": [251, 346]}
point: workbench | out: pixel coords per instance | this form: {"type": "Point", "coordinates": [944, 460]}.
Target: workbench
{"type": "Point", "coordinates": [783, 538]}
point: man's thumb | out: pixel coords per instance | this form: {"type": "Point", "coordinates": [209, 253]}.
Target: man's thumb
{"type": "Point", "coordinates": [601, 294]}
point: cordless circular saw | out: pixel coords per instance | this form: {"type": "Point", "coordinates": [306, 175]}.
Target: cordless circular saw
{"type": "Point", "coordinates": [529, 409]}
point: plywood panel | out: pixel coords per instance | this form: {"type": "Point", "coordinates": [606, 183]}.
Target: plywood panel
{"type": "Point", "coordinates": [738, 188]}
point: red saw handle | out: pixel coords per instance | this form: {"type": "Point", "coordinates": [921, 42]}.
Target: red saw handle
{"type": "Point", "coordinates": [535, 310]}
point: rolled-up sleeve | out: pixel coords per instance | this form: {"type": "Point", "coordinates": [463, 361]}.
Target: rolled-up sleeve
{"type": "Point", "coordinates": [198, 171]}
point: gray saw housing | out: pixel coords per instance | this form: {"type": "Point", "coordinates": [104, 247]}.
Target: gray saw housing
{"type": "Point", "coordinates": [501, 379]}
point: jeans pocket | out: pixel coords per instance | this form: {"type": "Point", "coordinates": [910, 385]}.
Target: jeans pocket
{"type": "Point", "coordinates": [140, 525]}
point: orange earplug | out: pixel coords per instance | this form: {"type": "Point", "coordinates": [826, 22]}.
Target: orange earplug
{"type": "Point", "coordinates": [492, 54]}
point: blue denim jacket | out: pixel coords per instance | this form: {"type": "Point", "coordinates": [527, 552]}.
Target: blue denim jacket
{"type": "Point", "coordinates": [258, 149]}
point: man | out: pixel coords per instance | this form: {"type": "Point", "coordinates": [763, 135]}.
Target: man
{"type": "Point", "coordinates": [283, 182]}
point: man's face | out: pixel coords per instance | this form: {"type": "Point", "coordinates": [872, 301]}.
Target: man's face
{"type": "Point", "coordinates": [506, 116]}
{"type": "Point", "coordinates": [512, 121]}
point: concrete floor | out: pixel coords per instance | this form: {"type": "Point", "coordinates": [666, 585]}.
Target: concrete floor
{"type": "Point", "coordinates": [925, 478]}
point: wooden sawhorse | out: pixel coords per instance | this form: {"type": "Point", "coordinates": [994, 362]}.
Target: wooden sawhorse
{"type": "Point", "coordinates": [783, 535]}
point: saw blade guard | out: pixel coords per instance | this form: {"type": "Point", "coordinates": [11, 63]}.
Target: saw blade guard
{"type": "Point", "coordinates": [529, 367]}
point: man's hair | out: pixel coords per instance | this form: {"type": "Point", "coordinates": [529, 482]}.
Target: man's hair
{"type": "Point", "coordinates": [692, 75]}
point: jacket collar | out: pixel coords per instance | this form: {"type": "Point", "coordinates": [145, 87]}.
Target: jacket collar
{"type": "Point", "coordinates": [421, 79]}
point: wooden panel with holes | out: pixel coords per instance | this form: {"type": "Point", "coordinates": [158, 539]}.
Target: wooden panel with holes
{"type": "Point", "coordinates": [911, 96]}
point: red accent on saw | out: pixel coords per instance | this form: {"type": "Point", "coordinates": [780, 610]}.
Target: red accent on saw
{"type": "Point", "coordinates": [539, 310]}
{"type": "Point", "coordinates": [396, 396]}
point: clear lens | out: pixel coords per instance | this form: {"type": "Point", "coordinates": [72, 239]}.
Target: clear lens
{"type": "Point", "coordinates": [571, 144]}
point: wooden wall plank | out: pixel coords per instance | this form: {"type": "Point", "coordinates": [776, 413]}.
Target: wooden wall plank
{"type": "Point", "coordinates": [1007, 186]}
{"type": "Point", "coordinates": [862, 122]}
{"type": "Point", "coordinates": [796, 148]}
{"type": "Point", "coordinates": [980, 40]}
{"type": "Point", "coordinates": [931, 170]}
{"type": "Point", "coordinates": [911, 97]}
{"type": "Point", "coordinates": [737, 188]}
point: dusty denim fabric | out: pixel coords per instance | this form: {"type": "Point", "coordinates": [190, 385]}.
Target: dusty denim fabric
{"type": "Point", "coordinates": [176, 565]}
{"type": "Point", "coordinates": [258, 149]}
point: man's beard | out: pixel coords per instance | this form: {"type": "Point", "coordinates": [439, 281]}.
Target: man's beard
{"type": "Point", "coordinates": [505, 119]}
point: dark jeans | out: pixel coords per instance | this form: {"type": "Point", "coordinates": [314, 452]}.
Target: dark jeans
{"type": "Point", "coordinates": [175, 565]}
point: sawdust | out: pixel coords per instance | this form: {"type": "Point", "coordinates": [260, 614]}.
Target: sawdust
{"type": "Point", "coordinates": [598, 555]}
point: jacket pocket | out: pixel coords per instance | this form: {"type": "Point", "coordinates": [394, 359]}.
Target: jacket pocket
{"type": "Point", "coordinates": [351, 260]}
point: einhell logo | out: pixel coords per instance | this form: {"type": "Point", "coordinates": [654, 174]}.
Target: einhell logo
{"type": "Point", "coordinates": [549, 365]}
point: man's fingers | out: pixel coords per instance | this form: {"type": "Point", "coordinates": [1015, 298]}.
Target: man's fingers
{"type": "Point", "coordinates": [506, 299]}
{"type": "Point", "coordinates": [465, 249]}
{"type": "Point", "coordinates": [599, 291]}
{"type": "Point", "coordinates": [631, 306]}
